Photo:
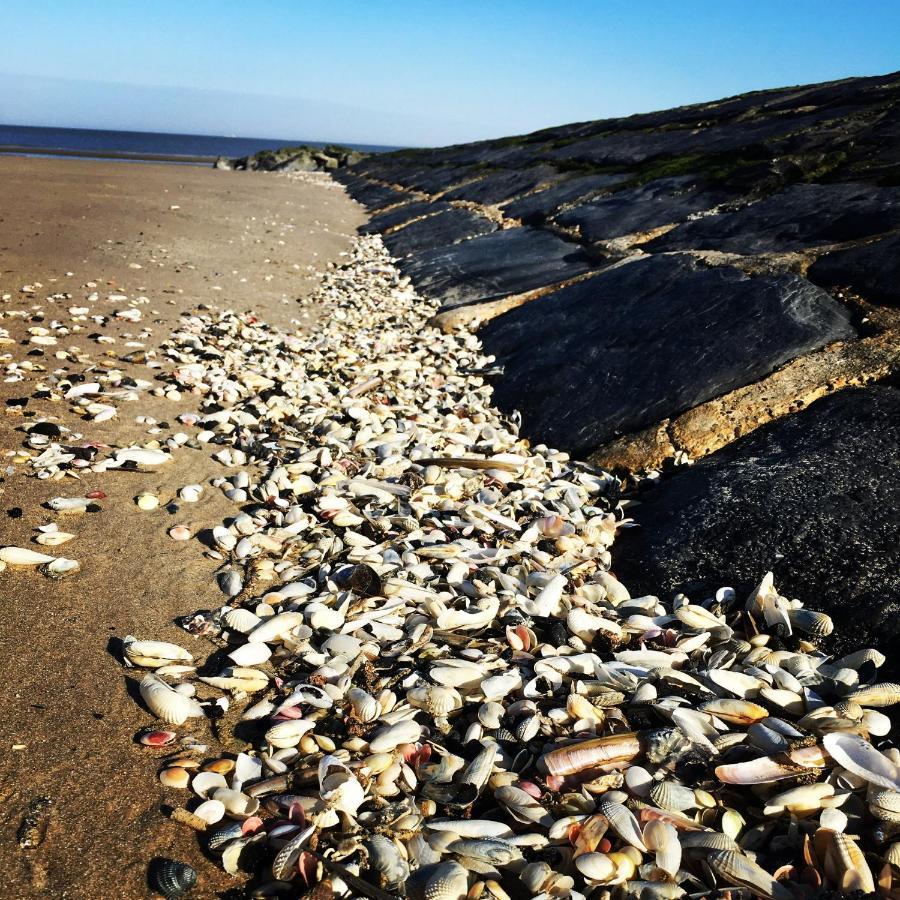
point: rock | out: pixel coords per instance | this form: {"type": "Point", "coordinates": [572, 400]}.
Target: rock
{"type": "Point", "coordinates": [646, 340]}
{"type": "Point", "coordinates": [222, 162]}
{"type": "Point", "coordinates": [295, 159]}
{"type": "Point", "coordinates": [506, 262]}
{"type": "Point", "coordinates": [871, 270]}
{"type": "Point", "coordinates": [400, 215]}
{"type": "Point", "coordinates": [447, 227]}
{"type": "Point", "coordinates": [801, 216]}
{"type": "Point", "coordinates": [665, 201]}
{"type": "Point", "coordinates": [812, 497]}
{"type": "Point", "coordinates": [499, 186]}
{"type": "Point", "coordinates": [536, 208]}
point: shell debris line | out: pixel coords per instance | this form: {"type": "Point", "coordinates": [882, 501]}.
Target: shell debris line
{"type": "Point", "coordinates": [424, 680]}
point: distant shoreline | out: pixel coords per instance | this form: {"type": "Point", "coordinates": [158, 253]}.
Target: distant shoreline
{"type": "Point", "coordinates": [124, 155]}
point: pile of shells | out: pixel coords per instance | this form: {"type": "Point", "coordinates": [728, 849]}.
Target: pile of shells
{"type": "Point", "coordinates": [431, 682]}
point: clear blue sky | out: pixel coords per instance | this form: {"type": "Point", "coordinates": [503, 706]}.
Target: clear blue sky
{"type": "Point", "coordinates": [376, 71]}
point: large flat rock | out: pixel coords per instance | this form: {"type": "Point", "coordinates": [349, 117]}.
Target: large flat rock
{"type": "Point", "coordinates": [506, 262]}
{"type": "Point", "coordinates": [647, 340]}
{"type": "Point", "coordinates": [665, 201]}
{"type": "Point", "coordinates": [803, 215]}
{"type": "Point", "coordinates": [400, 215]}
{"type": "Point", "coordinates": [871, 270]}
{"type": "Point", "coordinates": [536, 208]}
{"type": "Point", "coordinates": [813, 498]}
{"type": "Point", "coordinates": [496, 187]}
{"type": "Point", "coordinates": [447, 227]}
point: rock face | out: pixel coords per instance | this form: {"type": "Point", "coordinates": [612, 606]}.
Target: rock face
{"type": "Point", "coordinates": [814, 498]}
{"type": "Point", "coordinates": [295, 159]}
{"type": "Point", "coordinates": [648, 339]}
{"type": "Point", "coordinates": [743, 215]}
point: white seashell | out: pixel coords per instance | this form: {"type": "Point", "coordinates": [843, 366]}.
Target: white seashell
{"type": "Point", "coordinates": [241, 620]}
{"type": "Point", "coordinates": [53, 538]}
{"type": "Point", "coordinates": [288, 734]}
{"type": "Point", "coordinates": [238, 678]}
{"type": "Point", "coordinates": [250, 654]}
{"type": "Point", "coordinates": [61, 568]}
{"type": "Point", "coordinates": [596, 867]}
{"type": "Point", "coordinates": [142, 456]}
{"type": "Point", "coordinates": [210, 811]}
{"type": "Point", "coordinates": [365, 707]}
{"type": "Point", "coordinates": [167, 704]}
{"type": "Point", "coordinates": [237, 804]}
{"type": "Point", "coordinates": [205, 784]}
{"type": "Point", "coordinates": [22, 556]}
{"type": "Point", "coordinates": [862, 759]}
{"type": "Point", "coordinates": [152, 654]}
{"type": "Point", "coordinates": [276, 627]}
{"type": "Point", "coordinates": [389, 738]}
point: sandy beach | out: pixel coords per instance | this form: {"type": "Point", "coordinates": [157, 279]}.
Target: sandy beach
{"type": "Point", "coordinates": [180, 236]}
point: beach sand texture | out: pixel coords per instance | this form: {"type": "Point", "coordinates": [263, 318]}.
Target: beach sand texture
{"type": "Point", "coordinates": [199, 237]}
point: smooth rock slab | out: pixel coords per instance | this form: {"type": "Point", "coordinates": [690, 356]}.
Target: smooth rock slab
{"type": "Point", "coordinates": [803, 215]}
{"type": "Point", "coordinates": [506, 262]}
{"type": "Point", "coordinates": [446, 227]}
{"type": "Point", "coordinates": [665, 201]}
{"type": "Point", "coordinates": [499, 186]}
{"type": "Point", "coordinates": [647, 340]}
{"type": "Point", "coordinates": [812, 498]}
{"type": "Point", "coordinates": [401, 215]}
{"type": "Point", "coordinates": [871, 270]}
{"type": "Point", "coordinates": [536, 208]}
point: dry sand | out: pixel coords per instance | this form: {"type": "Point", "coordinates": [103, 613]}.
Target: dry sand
{"type": "Point", "coordinates": [239, 240]}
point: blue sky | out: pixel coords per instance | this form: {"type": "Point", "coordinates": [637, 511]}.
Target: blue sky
{"type": "Point", "coordinates": [422, 73]}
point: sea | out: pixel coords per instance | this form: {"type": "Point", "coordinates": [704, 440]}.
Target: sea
{"type": "Point", "coordinates": [147, 145]}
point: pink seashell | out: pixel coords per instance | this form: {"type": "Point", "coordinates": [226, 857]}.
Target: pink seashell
{"type": "Point", "coordinates": [530, 788]}
{"type": "Point", "coordinates": [251, 825]}
{"type": "Point", "coordinates": [157, 738]}
{"type": "Point", "coordinates": [306, 866]}
{"type": "Point", "coordinates": [297, 814]}
{"type": "Point", "coordinates": [180, 533]}
{"type": "Point", "coordinates": [555, 782]}
{"type": "Point", "coordinates": [289, 712]}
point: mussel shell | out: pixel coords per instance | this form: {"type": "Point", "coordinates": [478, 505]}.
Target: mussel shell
{"type": "Point", "coordinates": [170, 877]}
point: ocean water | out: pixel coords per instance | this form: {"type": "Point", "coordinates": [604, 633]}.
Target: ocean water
{"type": "Point", "coordinates": [47, 140]}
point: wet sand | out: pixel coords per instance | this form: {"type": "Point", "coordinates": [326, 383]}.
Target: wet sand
{"type": "Point", "coordinates": [180, 236]}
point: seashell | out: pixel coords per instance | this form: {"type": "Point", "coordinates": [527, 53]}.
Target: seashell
{"type": "Point", "coordinates": [441, 881]}
{"type": "Point", "coordinates": [53, 538]}
{"type": "Point", "coordinates": [800, 800]}
{"type": "Point", "coordinates": [883, 694]}
{"type": "Point", "coordinates": [60, 568]}
{"type": "Point", "coordinates": [817, 624]}
{"type": "Point", "coordinates": [237, 804]}
{"type": "Point", "coordinates": [674, 796]}
{"type": "Point", "coordinates": [142, 456]}
{"type": "Point", "coordinates": [250, 654]}
{"type": "Point", "coordinates": [210, 811]}
{"type": "Point", "coordinates": [734, 712]}
{"type": "Point", "coordinates": [859, 757]}
{"type": "Point", "coordinates": [171, 878]}
{"type": "Point", "coordinates": [276, 627]}
{"type": "Point", "coordinates": [522, 806]}
{"type": "Point", "coordinates": [737, 869]}
{"type": "Point", "coordinates": [364, 706]}
{"type": "Point", "coordinates": [238, 678]}
{"type": "Point", "coordinates": [241, 620]}
{"type": "Point", "coordinates": [190, 493]}
{"type": "Point", "coordinates": [490, 714]}
{"type": "Point", "coordinates": [390, 737]}
{"type": "Point", "coordinates": [230, 584]}
{"type": "Point", "coordinates": [622, 821]}
{"type": "Point", "coordinates": [596, 867]}
{"type": "Point", "coordinates": [386, 860]}
{"type": "Point", "coordinates": [767, 769]}
{"type": "Point", "coordinates": [287, 734]}
{"type": "Point", "coordinates": [22, 556]}
{"type": "Point", "coordinates": [589, 754]}
{"type": "Point", "coordinates": [69, 505]}
{"type": "Point", "coordinates": [207, 783]}
{"type": "Point", "coordinates": [167, 704]}
{"type": "Point", "coordinates": [885, 805]}
{"type": "Point", "coordinates": [153, 654]}
{"type": "Point", "coordinates": [737, 683]}
{"type": "Point", "coordinates": [147, 501]}
{"type": "Point", "coordinates": [285, 862]}
{"type": "Point", "coordinates": [180, 533]}
{"type": "Point", "coordinates": [157, 738]}
{"type": "Point", "coordinates": [174, 776]}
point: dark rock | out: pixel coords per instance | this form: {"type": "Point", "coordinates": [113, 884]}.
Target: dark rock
{"type": "Point", "coordinates": [536, 208]}
{"type": "Point", "coordinates": [499, 186]}
{"type": "Point", "coordinates": [375, 196]}
{"type": "Point", "coordinates": [296, 159]}
{"type": "Point", "coordinates": [871, 270]}
{"type": "Point", "coordinates": [402, 214]}
{"type": "Point", "coordinates": [437, 231]}
{"type": "Point", "coordinates": [506, 262]}
{"type": "Point", "coordinates": [803, 215]}
{"type": "Point", "coordinates": [647, 340]}
{"type": "Point", "coordinates": [664, 201]}
{"type": "Point", "coordinates": [812, 498]}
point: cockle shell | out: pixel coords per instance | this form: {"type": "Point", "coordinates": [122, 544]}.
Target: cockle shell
{"type": "Point", "coordinates": [740, 870]}
{"type": "Point", "coordinates": [365, 707]}
{"type": "Point", "coordinates": [166, 703]}
{"type": "Point", "coordinates": [622, 821]}
{"type": "Point", "coordinates": [437, 700]}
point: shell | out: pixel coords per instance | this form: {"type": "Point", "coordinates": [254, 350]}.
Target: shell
{"type": "Point", "coordinates": [861, 758]}
{"type": "Point", "coordinates": [167, 704]}
{"type": "Point", "coordinates": [276, 628]}
{"type": "Point", "coordinates": [442, 881]}
{"type": "Point", "coordinates": [622, 821]}
{"type": "Point", "coordinates": [287, 734]}
{"type": "Point", "coordinates": [596, 867]}
{"type": "Point", "coordinates": [883, 694]}
{"type": "Point", "coordinates": [588, 754]}
{"type": "Point", "coordinates": [152, 654]}
{"type": "Point", "coordinates": [364, 706]}
{"type": "Point", "coordinates": [390, 737]}
{"type": "Point", "coordinates": [735, 868]}
{"type": "Point", "coordinates": [171, 878]}
{"type": "Point", "coordinates": [437, 700]}
{"type": "Point", "coordinates": [22, 556]}
{"type": "Point", "coordinates": [674, 796]}
{"type": "Point", "coordinates": [238, 678]}
{"type": "Point", "coordinates": [250, 654]}
{"type": "Point", "coordinates": [241, 620]}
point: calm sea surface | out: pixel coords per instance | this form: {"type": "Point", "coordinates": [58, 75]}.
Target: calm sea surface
{"type": "Point", "coordinates": [48, 140]}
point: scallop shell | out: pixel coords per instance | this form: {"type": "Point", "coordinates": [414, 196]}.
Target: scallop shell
{"type": "Point", "coordinates": [735, 868]}
{"type": "Point", "coordinates": [674, 796]}
{"type": "Point", "coordinates": [435, 699]}
{"type": "Point", "coordinates": [241, 620]}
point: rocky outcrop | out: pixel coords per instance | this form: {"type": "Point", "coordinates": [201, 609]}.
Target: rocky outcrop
{"type": "Point", "coordinates": [294, 159]}
{"type": "Point", "coordinates": [716, 283]}
{"type": "Point", "coordinates": [662, 284]}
